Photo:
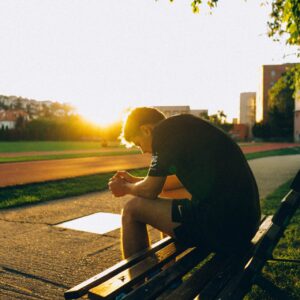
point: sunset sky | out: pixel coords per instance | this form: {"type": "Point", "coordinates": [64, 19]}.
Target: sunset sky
{"type": "Point", "coordinates": [103, 56]}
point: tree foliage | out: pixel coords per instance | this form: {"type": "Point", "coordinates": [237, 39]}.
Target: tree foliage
{"type": "Point", "coordinates": [281, 107]}
{"type": "Point", "coordinates": [70, 128]}
{"type": "Point", "coordinates": [284, 18]}
{"type": "Point", "coordinates": [282, 104]}
{"type": "Point", "coordinates": [219, 119]}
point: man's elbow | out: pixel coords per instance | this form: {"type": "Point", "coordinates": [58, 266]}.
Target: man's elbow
{"type": "Point", "coordinates": [151, 194]}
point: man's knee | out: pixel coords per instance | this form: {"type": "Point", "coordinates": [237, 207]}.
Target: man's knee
{"type": "Point", "coordinates": [131, 209]}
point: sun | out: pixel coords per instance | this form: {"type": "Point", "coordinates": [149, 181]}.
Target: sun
{"type": "Point", "coordinates": [103, 117]}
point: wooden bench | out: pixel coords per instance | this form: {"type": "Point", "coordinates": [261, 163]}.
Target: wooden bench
{"type": "Point", "coordinates": [214, 275]}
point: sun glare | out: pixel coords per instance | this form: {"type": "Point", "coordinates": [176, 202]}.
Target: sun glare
{"type": "Point", "coordinates": [102, 117]}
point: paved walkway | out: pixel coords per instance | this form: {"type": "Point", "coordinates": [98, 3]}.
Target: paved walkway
{"type": "Point", "coordinates": [40, 261]}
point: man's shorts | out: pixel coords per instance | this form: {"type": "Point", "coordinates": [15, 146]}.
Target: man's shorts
{"type": "Point", "coordinates": [198, 228]}
{"type": "Point", "coordinates": [191, 231]}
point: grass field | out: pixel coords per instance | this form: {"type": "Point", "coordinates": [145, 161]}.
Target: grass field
{"type": "Point", "coordinates": [49, 146]}
{"type": "Point", "coordinates": [51, 190]}
{"type": "Point", "coordinates": [278, 152]}
{"type": "Point", "coordinates": [69, 146]}
{"type": "Point", "coordinates": [284, 275]}
{"type": "Point", "coordinates": [65, 156]}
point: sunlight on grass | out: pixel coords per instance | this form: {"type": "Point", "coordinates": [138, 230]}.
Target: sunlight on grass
{"type": "Point", "coordinates": [284, 275]}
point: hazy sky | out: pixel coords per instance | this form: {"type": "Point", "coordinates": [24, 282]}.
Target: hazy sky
{"type": "Point", "coordinates": [102, 56]}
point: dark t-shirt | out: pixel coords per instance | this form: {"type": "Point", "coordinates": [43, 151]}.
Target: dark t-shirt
{"type": "Point", "coordinates": [213, 169]}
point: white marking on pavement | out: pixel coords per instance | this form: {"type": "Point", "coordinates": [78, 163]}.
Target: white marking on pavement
{"type": "Point", "coordinates": [96, 223]}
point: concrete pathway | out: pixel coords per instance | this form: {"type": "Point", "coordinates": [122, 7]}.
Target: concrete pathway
{"type": "Point", "coordinates": [40, 261]}
{"type": "Point", "coordinates": [270, 172]}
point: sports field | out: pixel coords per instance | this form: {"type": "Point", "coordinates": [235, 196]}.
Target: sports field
{"type": "Point", "coordinates": [8, 147]}
{"type": "Point", "coordinates": [33, 151]}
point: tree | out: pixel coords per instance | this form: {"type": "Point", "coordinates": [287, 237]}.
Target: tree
{"type": "Point", "coordinates": [219, 119]}
{"type": "Point", "coordinates": [281, 107]}
{"type": "Point", "coordinates": [284, 18]}
{"type": "Point", "coordinates": [282, 104]}
{"type": "Point", "coordinates": [20, 122]}
{"type": "Point", "coordinates": [262, 130]}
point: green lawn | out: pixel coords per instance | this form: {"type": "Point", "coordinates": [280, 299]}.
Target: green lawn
{"type": "Point", "coordinates": [47, 146]}
{"type": "Point", "coordinates": [278, 152]}
{"type": "Point", "coordinates": [8, 147]}
{"type": "Point", "coordinates": [65, 156]}
{"type": "Point", "coordinates": [284, 275]}
{"type": "Point", "coordinates": [38, 192]}
{"type": "Point", "coordinates": [51, 190]}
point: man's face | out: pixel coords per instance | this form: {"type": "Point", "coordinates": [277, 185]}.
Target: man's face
{"type": "Point", "coordinates": [143, 139]}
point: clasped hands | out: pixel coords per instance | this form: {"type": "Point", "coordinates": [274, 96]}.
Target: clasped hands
{"type": "Point", "coordinates": [119, 183]}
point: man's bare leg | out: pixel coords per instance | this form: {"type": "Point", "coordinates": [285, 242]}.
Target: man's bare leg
{"type": "Point", "coordinates": [134, 236]}
{"type": "Point", "coordinates": [136, 214]}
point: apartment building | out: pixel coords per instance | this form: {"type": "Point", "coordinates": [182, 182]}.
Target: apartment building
{"type": "Point", "coordinates": [269, 76]}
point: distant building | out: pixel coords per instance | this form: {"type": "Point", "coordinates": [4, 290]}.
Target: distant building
{"type": "Point", "coordinates": [239, 132]}
{"type": "Point", "coordinates": [199, 112]}
{"type": "Point", "coordinates": [247, 108]}
{"type": "Point", "coordinates": [269, 76]}
{"type": "Point", "coordinates": [15, 101]}
{"type": "Point", "coordinates": [8, 118]}
{"type": "Point", "coordinates": [169, 111]}
{"type": "Point", "coordinates": [235, 121]}
{"type": "Point", "coordinates": [297, 117]}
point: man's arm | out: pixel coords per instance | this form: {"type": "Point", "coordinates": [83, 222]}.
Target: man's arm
{"type": "Point", "coordinates": [150, 187]}
{"type": "Point", "coordinates": [128, 177]}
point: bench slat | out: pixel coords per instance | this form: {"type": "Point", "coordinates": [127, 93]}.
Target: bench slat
{"type": "Point", "coordinates": [128, 278]}
{"type": "Point", "coordinates": [235, 264]}
{"type": "Point", "coordinates": [191, 287]}
{"type": "Point", "coordinates": [242, 282]}
{"type": "Point", "coordinates": [82, 288]}
{"type": "Point", "coordinates": [211, 277]}
{"type": "Point", "coordinates": [162, 280]}
{"type": "Point", "coordinates": [288, 206]}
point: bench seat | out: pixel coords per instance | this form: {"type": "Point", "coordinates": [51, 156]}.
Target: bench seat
{"type": "Point", "coordinates": [213, 276]}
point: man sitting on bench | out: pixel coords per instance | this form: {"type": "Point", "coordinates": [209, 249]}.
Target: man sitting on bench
{"type": "Point", "coordinates": [223, 213]}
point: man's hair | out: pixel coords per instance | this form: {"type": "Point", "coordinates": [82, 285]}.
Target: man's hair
{"type": "Point", "coordinates": [137, 117]}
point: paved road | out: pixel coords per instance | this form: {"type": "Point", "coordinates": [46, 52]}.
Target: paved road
{"type": "Point", "coordinates": [40, 261]}
{"type": "Point", "coordinates": [38, 171]}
